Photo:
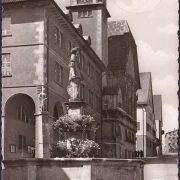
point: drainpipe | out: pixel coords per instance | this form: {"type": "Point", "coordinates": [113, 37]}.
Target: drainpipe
{"type": "Point", "coordinates": [101, 109]}
{"type": "Point", "coordinates": [143, 127]}
{"type": "Point", "coordinates": [47, 69]}
{"type": "Point", "coordinates": [101, 113]}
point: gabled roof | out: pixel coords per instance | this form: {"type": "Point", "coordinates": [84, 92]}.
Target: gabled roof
{"type": "Point", "coordinates": [118, 48]}
{"type": "Point", "coordinates": [118, 28]}
{"type": "Point", "coordinates": [120, 43]}
{"type": "Point", "coordinates": [145, 79]}
{"type": "Point", "coordinates": [157, 100]}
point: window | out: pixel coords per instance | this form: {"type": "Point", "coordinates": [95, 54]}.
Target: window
{"type": "Point", "coordinates": [6, 25]}
{"type": "Point", "coordinates": [58, 37]}
{"type": "Point", "coordinates": [84, 1]}
{"type": "Point", "coordinates": [97, 103]}
{"type": "Point", "coordinates": [22, 114]}
{"type": "Point", "coordinates": [98, 77]}
{"type": "Point", "coordinates": [81, 61]}
{"type": "Point", "coordinates": [147, 142]}
{"type": "Point", "coordinates": [87, 13]}
{"type": "Point", "coordinates": [82, 92]}
{"type": "Point", "coordinates": [138, 126]}
{"type": "Point", "coordinates": [89, 66]}
{"type": "Point", "coordinates": [69, 48]}
{"type": "Point", "coordinates": [90, 97]}
{"type": "Point", "coordinates": [126, 154]}
{"type": "Point", "coordinates": [6, 65]}
{"type": "Point", "coordinates": [13, 148]}
{"type": "Point", "coordinates": [147, 125]}
{"type": "Point", "coordinates": [91, 73]}
{"type": "Point", "coordinates": [90, 70]}
{"type": "Point", "coordinates": [22, 142]}
{"type": "Point", "coordinates": [58, 74]}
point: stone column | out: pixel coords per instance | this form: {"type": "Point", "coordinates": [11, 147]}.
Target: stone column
{"type": "Point", "coordinates": [75, 107]}
{"type": "Point", "coordinates": [42, 135]}
{"type": "Point", "coordinates": [2, 137]}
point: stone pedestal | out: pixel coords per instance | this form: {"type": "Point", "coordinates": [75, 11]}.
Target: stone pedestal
{"type": "Point", "coordinates": [42, 134]}
{"type": "Point", "coordinates": [75, 107]}
{"type": "Point", "coordinates": [77, 134]}
{"type": "Point", "coordinates": [2, 138]}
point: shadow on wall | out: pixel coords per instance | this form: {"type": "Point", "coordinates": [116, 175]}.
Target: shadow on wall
{"type": "Point", "coordinates": [59, 174]}
{"type": "Point", "coordinates": [16, 173]}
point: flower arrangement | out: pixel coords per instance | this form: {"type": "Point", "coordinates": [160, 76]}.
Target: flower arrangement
{"type": "Point", "coordinates": [67, 123]}
{"type": "Point", "coordinates": [74, 147]}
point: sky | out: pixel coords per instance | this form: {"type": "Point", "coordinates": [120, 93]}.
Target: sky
{"type": "Point", "coordinates": [154, 25]}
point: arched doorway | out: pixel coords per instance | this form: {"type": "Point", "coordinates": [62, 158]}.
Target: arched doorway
{"type": "Point", "coordinates": [58, 111]}
{"type": "Point", "coordinates": [19, 127]}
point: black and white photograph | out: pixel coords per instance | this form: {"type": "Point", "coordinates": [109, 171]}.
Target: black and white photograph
{"type": "Point", "coordinates": [89, 89]}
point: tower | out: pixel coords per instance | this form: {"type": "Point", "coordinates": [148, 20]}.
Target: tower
{"type": "Point", "coordinates": [92, 15]}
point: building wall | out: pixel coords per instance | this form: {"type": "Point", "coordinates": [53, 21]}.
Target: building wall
{"type": "Point", "coordinates": [171, 142]}
{"type": "Point", "coordinates": [59, 92]}
{"type": "Point", "coordinates": [158, 126]}
{"type": "Point", "coordinates": [126, 100]}
{"type": "Point", "coordinates": [97, 31]}
{"type": "Point", "coordinates": [33, 55]}
{"type": "Point", "coordinates": [149, 138]}
{"type": "Point", "coordinates": [139, 144]}
{"type": "Point", "coordinates": [146, 110]}
{"type": "Point", "coordinates": [73, 169]}
{"type": "Point", "coordinates": [115, 142]}
{"type": "Point", "coordinates": [140, 114]}
{"type": "Point", "coordinates": [25, 44]}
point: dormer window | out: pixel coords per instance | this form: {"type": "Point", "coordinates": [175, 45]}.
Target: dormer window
{"type": "Point", "coordinates": [84, 1]}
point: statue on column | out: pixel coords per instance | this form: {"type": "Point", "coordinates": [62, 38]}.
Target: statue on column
{"type": "Point", "coordinates": [43, 100]}
{"type": "Point", "coordinates": [74, 75]}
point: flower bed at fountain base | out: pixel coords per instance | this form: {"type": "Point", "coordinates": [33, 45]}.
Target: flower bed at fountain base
{"type": "Point", "coordinates": [73, 169]}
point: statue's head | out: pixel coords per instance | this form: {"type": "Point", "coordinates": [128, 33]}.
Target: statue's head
{"type": "Point", "coordinates": [74, 50]}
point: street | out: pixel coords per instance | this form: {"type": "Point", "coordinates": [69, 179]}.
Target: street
{"type": "Point", "coordinates": [162, 168]}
